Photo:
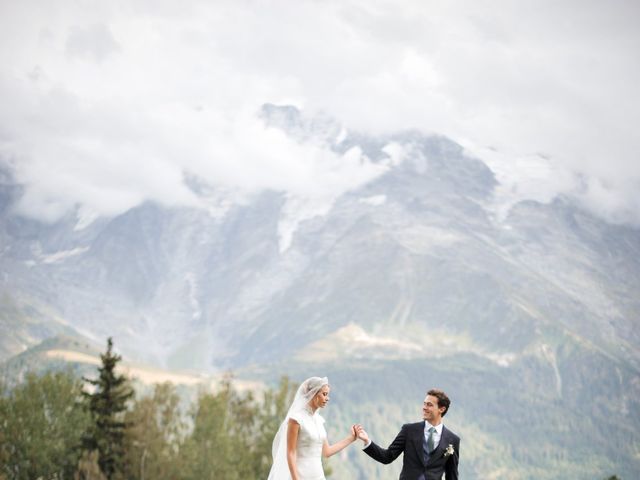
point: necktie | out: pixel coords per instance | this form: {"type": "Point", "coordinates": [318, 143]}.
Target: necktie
{"type": "Point", "coordinates": [430, 442]}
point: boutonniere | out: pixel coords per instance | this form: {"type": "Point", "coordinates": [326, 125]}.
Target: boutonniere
{"type": "Point", "coordinates": [449, 451]}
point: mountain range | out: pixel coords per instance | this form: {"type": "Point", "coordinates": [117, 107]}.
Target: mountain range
{"type": "Point", "coordinates": [528, 320]}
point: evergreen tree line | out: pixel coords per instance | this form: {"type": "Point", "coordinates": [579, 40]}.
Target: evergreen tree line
{"type": "Point", "coordinates": [58, 427]}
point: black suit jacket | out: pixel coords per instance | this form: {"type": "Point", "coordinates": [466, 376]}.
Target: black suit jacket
{"type": "Point", "coordinates": [410, 442]}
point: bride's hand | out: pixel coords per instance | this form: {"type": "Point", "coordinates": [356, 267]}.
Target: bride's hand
{"type": "Point", "coordinates": [354, 431]}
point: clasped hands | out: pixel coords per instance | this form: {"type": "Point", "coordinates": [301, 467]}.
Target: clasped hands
{"type": "Point", "coordinates": [358, 431]}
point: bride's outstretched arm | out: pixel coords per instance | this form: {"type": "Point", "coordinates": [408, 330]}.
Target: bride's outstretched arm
{"type": "Point", "coordinates": [328, 450]}
{"type": "Point", "coordinates": [293, 428]}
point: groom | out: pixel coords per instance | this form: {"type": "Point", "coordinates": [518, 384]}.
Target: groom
{"type": "Point", "coordinates": [430, 449]}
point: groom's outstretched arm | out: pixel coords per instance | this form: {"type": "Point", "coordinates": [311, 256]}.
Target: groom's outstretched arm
{"type": "Point", "coordinates": [389, 454]}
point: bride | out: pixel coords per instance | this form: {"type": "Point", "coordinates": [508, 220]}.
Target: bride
{"type": "Point", "coordinates": [301, 441]}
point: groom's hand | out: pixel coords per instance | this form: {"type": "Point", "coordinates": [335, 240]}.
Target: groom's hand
{"type": "Point", "coordinates": [362, 434]}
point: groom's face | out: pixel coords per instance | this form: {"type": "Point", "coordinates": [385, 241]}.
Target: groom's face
{"type": "Point", "coordinates": [430, 410]}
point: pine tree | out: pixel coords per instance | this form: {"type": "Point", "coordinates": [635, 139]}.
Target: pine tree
{"type": "Point", "coordinates": [107, 405]}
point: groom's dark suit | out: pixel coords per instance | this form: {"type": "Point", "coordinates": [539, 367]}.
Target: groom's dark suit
{"type": "Point", "coordinates": [417, 464]}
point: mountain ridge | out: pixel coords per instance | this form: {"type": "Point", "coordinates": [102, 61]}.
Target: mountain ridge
{"type": "Point", "coordinates": [405, 282]}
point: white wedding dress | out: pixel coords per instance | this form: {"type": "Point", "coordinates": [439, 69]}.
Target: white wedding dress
{"type": "Point", "coordinates": [311, 437]}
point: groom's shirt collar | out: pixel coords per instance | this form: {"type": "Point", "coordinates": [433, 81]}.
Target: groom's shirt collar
{"type": "Point", "coordinates": [438, 427]}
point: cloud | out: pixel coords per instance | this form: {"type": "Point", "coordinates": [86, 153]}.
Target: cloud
{"type": "Point", "coordinates": [93, 41]}
{"type": "Point", "coordinates": [107, 106]}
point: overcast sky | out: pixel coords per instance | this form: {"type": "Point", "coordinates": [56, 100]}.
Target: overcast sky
{"type": "Point", "coordinates": [107, 104]}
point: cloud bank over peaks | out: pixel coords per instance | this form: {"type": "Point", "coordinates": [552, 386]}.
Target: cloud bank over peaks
{"type": "Point", "coordinates": [191, 157]}
{"type": "Point", "coordinates": [541, 178]}
{"type": "Point", "coordinates": [87, 162]}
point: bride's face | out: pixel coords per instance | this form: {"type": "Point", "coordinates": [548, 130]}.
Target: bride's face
{"type": "Point", "coordinates": [322, 397]}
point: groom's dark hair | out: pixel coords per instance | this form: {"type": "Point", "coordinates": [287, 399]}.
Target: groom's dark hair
{"type": "Point", "coordinates": [443, 400]}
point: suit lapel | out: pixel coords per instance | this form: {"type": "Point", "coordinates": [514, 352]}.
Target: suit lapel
{"type": "Point", "coordinates": [418, 441]}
